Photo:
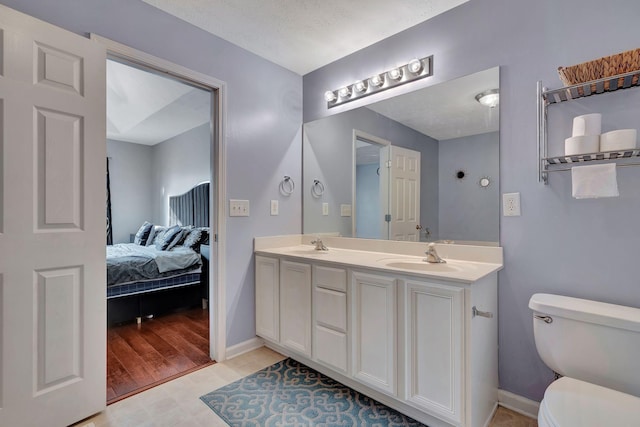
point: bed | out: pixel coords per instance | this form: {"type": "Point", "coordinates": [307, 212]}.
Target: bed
{"type": "Point", "coordinates": [163, 269]}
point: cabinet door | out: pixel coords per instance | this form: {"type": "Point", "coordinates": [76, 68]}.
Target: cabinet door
{"type": "Point", "coordinates": [295, 306]}
{"type": "Point", "coordinates": [267, 298]}
{"type": "Point", "coordinates": [374, 331]}
{"type": "Point", "coordinates": [433, 365]}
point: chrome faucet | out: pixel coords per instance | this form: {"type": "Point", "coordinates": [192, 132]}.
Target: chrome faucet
{"type": "Point", "coordinates": [432, 255]}
{"type": "Point", "coordinates": [319, 245]}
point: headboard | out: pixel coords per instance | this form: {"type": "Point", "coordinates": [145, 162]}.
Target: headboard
{"type": "Point", "coordinates": [190, 208]}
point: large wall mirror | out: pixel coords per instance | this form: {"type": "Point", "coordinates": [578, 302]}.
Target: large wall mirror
{"type": "Point", "coordinates": [422, 166]}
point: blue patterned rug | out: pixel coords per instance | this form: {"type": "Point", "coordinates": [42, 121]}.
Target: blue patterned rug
{"type": "Point", "coordinates": [291, 394]}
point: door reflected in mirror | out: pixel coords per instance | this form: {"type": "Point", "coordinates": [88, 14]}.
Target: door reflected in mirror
{"type": "Point", "coordinates": [391, 169]}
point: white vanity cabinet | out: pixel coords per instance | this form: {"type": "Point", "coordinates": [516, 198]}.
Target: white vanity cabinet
{"type": "Point", "coordinates": [410, 342]}
{"type": "Point", "coordinates": [374, 344]}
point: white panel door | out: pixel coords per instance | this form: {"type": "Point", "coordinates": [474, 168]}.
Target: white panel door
{"type": "Point", "coordinates": [434, 341]}
{"type": "Point", "coordinates": [374, 331]}
{"type": "Point", "coordinates": [404, 194]}
{"type": "Point", "coordinates": [267, 298]}
{"type": "Point", "coordinates": [295, 306]}
{"type": "Point", "coordinates": [52, 224]}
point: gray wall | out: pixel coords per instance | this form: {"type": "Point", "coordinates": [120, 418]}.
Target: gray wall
{"type": "Point", "coordinates": [328, 156]}
{"type": "Point", "coordinates": [468, 211]}
{"type": "Point", "coordinates": [130, 172]}
{"type": "Point", "coordinates": [263, 123]}
{"type": "Point", "coordinates": [179, 164]}
{"type": "Point", "coordinates": [555, 245]}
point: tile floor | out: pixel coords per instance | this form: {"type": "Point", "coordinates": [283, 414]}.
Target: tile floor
{"type": "Point", "coordinates": [177, 403]}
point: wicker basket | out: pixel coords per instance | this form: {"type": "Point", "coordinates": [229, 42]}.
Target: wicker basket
{"type": "Point", "coordinates": [607, 66]}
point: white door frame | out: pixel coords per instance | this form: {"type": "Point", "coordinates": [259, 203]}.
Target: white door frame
{"type": "Point", "coordinates": [218, 314]}
{"type": "Point", "coordinates": [384, 185]}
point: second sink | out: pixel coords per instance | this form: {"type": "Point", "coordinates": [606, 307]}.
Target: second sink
{"type": "Point", "coordinates": [420, 265]}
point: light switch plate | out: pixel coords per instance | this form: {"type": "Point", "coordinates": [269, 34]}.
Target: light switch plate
{"type": "Point", "coordinates": [238, 207]}
{"type": "Point", "coordinates": [325, 209]}
{"type": "Point", "coordinates": [274, 207]}
{"type": "Point", "coordinates": [345, 210]}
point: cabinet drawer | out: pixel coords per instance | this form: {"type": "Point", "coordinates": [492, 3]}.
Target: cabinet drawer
{"type": "Point", "coordinates": [330, 308]}
{"type": "Point", "coordinates": [330, 278]}
{"type": "Point", "coordinates": [330, 348]}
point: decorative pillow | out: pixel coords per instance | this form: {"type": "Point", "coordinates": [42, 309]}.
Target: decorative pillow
{"type": "Point", "coordinates": [193, 239]}
{"type": "Point", "coordinates": [158, 234]}
{"type": "Point", "coordinates": [171, 237]}
{"type": "Point", "coordinates": [152, 236]}
{"type": "Point", "coordinates": [143, 234]}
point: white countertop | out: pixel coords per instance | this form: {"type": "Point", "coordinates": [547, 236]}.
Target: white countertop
{"type": "Point", "coordinates": [456, 270]}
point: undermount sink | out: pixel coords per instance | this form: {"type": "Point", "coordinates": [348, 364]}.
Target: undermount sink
{"type": "Point", "coordinates": [420, 265]}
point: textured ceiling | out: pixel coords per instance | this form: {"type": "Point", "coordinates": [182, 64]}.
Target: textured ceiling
{"type": "Point", "coordinates": [304, 35]}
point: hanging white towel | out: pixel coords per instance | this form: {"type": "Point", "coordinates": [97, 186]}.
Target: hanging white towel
{"type": "Point", "coordinates": [591, 182]}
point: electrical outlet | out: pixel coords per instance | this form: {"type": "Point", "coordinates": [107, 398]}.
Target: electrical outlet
{"type": "Point", "coordinates": [274, 207]}
{"type": "Point", "coordinates": [325, 209]}
{"type": "Point", "coordinates": [511, 204]}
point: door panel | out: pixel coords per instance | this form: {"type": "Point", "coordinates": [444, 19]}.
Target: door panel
{"type": "Point", "coordinates": [405, 194]}
{"type": "Point", "coordinates": [52, 223]}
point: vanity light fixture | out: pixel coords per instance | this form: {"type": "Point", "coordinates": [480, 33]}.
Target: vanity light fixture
{"type": "Point", "coordinates": [413, 70]}
{"type": "Point", "coordinates": [489, 98]}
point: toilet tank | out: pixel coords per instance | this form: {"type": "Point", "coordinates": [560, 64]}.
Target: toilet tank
{"type": "Point", "coordinates": [589, 340]}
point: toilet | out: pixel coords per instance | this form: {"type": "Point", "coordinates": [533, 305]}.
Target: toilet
{"type": "Point", "coordinates": [596, 348]}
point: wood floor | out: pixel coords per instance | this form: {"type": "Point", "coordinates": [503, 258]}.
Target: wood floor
{"type": "Point", "coordinates": [156, 351]}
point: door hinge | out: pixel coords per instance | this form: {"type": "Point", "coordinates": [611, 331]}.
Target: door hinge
{"type": "Point", "coordinates": [387, 218]}
{"type": "Point", "coordinates": [215, 237]}
{"type": "Point", "coordinates": [388, 164]}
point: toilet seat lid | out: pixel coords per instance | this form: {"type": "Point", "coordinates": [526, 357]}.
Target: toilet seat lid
{"type": "Point", "coordinates": [570, 402]}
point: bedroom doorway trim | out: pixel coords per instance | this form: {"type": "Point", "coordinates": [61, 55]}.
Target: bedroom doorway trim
{"type": "Point", "coordinates": [218, 316]}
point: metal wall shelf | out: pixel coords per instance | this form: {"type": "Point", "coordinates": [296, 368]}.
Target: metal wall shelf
{"type": "Point", "coordinates": [548, 97]}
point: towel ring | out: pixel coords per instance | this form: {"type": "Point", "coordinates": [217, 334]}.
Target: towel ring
{"type": "Point", "coordinates": [317, 189]}
{"type": "Point", "coordinates": [287, 186]}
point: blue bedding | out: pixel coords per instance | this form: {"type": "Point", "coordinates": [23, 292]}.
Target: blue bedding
{"type": "Point", "coordinates": [128, 262]}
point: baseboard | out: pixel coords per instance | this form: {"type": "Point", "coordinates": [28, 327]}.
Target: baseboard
{"type": "Point", "coordinates": [244, 347]}
{"type": "Point", "coordinates": [517, 403]}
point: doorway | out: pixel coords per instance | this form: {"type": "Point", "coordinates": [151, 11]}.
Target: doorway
{"type": "Point", "coordinates": [188, 88]}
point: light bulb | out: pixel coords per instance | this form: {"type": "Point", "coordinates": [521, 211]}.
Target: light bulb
{"type": "Point", "coordinates": [415, 66]}
{"type": "Point", "coordinates": [344, 92]}
{"type": "Point", "coordinates": [377, 80]}
{"type": "Point", "coordinates": [395, 74]}
{"type": "Point", "coordinates": [360, 86]}
{"type": "Point", "coordinates": [330, 96]}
